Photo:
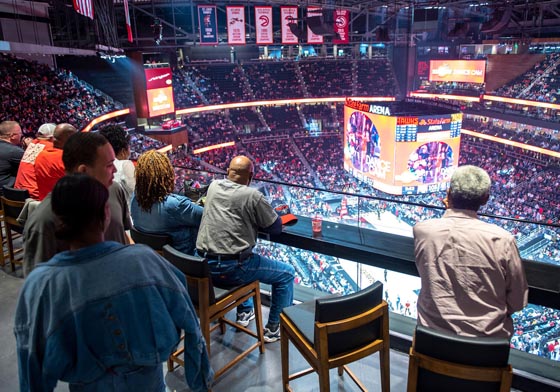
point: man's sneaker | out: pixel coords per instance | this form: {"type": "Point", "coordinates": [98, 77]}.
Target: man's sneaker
{"type": "Point", "coordinates": [243, 318]}
{"type": "Point", "coordinates": [271, 334]}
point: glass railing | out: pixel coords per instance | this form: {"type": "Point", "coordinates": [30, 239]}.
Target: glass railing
{"type": "Point", "coordinates": [537, 328]}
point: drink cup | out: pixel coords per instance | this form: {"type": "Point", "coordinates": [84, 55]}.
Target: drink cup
{"type": "Point", "coordinates": [317, 224]}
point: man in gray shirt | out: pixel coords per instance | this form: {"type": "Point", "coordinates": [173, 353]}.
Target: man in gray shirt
{"type": "Point", "coordinates": [91, 154]}
{"type": "Point", "coordinates": [233, 214]}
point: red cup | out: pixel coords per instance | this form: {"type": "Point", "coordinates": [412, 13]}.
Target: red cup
{"type": "Point", "coordinates": [316, 224]}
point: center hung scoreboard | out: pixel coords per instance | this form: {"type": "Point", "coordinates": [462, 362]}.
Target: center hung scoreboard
{"type": "Point", "coordinates": [401, 147]}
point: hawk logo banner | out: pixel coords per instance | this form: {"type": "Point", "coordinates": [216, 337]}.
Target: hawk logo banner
{"type": "Point", "coordinates": [263, 23]}
{"type": "Point", "coordinates": [288, 15]}
{"type": "Point", "coordinates": [236, 25]}
{"type": "Point", "coordinates": [341, 22]}
{"type": "Point", "coordinates": [208, 24]}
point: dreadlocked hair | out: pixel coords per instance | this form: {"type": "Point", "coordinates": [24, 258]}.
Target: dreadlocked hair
{"type": "Point", "coordinates": [155, 179]}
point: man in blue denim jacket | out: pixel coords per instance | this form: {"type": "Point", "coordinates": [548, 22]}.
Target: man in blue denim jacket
{"type": "Point", "coordinates": [103, 316]}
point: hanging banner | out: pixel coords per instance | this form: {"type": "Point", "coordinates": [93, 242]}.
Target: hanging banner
{"type": "Point", "coordinates": [235, 25]}
{"type": "Point", "coordinates": [288, 15]}
{"type": "Point", "coordinates": [313, 38]}
{"type": "Point", "coordinates": [208, 23]}
{"type": "Point", "coordinates": [341, 22]}
{"type": "Point", "coordinates": [263, 23]}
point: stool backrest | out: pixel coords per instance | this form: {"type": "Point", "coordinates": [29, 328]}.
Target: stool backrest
{"type": "Point", "coordinates": [154, 241]}
{"type": "Point", "coordinates": [469, 352]}
{"type": "Point", "coordinates": [345, 307]}
{"type": "Point", "coordinates": [196, 271]}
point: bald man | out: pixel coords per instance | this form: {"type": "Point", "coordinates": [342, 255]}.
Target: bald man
{"type": "Point", "coordinates": [48, 164]}
{"type": "Point", "coordinates": [10, 152]}
{"type": "Point", "coordinates": [233, 214]}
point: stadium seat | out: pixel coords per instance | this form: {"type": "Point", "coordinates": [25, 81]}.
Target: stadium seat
{"type": "Point", "coordinates": [212, 304]}
{"type": "Point", "coordinates": [442, 361]}
{"type": "Point", "coordinates": [13, 201]}
{"type": "Point", "coordinates": [335, 331]}
{"type": "Point", "coordinates": [154, 241]}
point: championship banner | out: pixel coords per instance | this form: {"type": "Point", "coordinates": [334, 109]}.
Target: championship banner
{"type": "Point", "coordinates": [313, 38]}
{"type": "Point", "coordinates": [263, 23]}
{"type": "Point", "coordinates": [208, 23]}
{"type": "Point", "coordinates": [288, 15]}
{"type": "Point", "coordinates": [341, 22]}
{"type": "Point", "coordinates": [236, 25]}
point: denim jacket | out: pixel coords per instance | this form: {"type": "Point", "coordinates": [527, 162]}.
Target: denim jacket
{"type": "Point", "coordinates": [104, 307]}
{"type": "Point", "coordinates": [176, 216]}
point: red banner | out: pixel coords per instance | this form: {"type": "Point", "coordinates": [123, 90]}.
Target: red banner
{"type": "Point", "coordinates": [288, 15]}
{"type": "Point", "coordinates": [313, 38]}
{"type": "Point", "coordinates": [158, 77]}
{"type": "Point", "coordinates": [263, 23]}
{"type": "Point", "coordinates": [127, 20]}
{"type": "Point", "coordinates": [236, 25]}
{"type": "Point", "coordinates": [341, 23]}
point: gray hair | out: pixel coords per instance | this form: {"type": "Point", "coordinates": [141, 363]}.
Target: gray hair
{"type": "Point", "coordinates": [470, 187]}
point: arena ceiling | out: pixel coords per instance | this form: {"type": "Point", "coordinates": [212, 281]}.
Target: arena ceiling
{"type": "Point", "coordinates": [527, 19]}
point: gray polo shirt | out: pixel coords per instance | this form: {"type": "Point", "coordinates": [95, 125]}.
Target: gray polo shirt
{"type": "Point", "coordinates": [232, 215]}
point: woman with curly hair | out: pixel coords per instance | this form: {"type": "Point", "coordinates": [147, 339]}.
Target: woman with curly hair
{"type": "Point", "coordinates": [155, 209]}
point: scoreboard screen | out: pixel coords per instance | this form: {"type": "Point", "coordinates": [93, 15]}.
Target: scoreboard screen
{"type": "Point", "coordinates": [401, 154]}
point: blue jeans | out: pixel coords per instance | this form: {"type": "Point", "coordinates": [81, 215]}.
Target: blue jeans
{"type": "Point", "coordinates": [275, 273]}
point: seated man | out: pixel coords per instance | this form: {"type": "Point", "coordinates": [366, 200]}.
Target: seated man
{"type": "Point", "coordinates": [48, 165]}
{"type": "Point", "coordinates": [26, 176]}
{"type": "Point", "coordinates": [472, 276]}
{"type": "Point", "coordinates": [233, 213]}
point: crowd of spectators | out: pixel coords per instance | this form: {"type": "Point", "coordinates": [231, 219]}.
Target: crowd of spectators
{"type": "Point", "coordinates": [219, 82]}
{"type": "Point", "coordinates": [273, 80]}
{"type": "Point", "coordinates": [183, 92]}
{"type": "Point", "coordinates": [375, 78]}
{"type": "Point", "coordinates": [540, 83]}
{"type": "Point", "coordinates": [328, 78]}
{"type": "Point", "coordinates": [33, 94]}
{"type": "Point", "coordinates": [284, 117]}
{"type": "Point", "coordinates": [537, 331]}
{"type": "Point", "coordinates": [548, 139]}
{"type": "Point", "coordinates": [226, 82]}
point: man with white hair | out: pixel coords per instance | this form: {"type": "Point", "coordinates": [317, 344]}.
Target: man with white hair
{"type": "Point", "coordinates": [471, 272]}
{"type": "Point", "coordinates": [26, 177]}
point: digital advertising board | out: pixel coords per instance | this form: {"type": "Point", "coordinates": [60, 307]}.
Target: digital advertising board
{"type": "Point", "coordinates": [400, 154]}
{"type": "Point", "coordinates": [159, 91]}
{"type": "Point", "coordinates": [467, 71]}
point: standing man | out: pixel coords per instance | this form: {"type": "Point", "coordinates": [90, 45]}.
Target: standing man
{"type": "Point", "coordinates": [26, 176]}
{"type": "Point", "coordinates": [471, 272]}
{"type": "Point", "coordinates": [10, 152]}
{"type": "Point", "coordinates": [233, 213]}
{"type": "Point", "coordinates": [91, 154]}
{"type": "Point", "coordinates": [48, 165]}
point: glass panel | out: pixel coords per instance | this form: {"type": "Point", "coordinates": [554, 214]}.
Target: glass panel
{"type": "Point", "coordinates": [537, 328]}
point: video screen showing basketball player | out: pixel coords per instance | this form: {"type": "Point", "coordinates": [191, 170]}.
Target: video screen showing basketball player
{"type": "Point", "coordinates": [431, 162]}
{"type": "Point", "coordinates": [362, 140]}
